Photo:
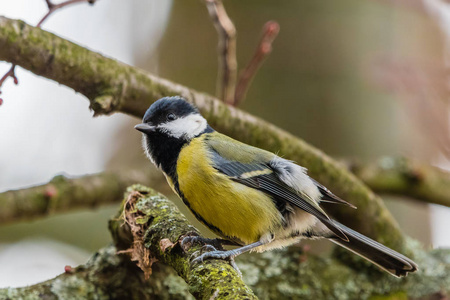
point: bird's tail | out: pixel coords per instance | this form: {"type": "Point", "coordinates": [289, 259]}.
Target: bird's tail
{"type": "Point", "coordinates": [382, 256]}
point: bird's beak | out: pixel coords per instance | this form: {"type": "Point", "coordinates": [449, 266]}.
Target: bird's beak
{"type": "Point", "coordinates": [145, 128]}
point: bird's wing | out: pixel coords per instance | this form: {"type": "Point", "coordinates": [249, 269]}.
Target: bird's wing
{"type": "Point", "coordinates": [259, 174]}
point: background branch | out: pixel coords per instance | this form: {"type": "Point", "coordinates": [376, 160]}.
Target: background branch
{"type": "Point", "coordinates": [270, 32]}
{"type": "Point", "coordinates": [226, 79]}
{"type": "Point", "coordinates": [403, 177]}
{"type": "Point", "coordinates": [63, 193]}
{"type": "Point", "coordinates": [112, 86]}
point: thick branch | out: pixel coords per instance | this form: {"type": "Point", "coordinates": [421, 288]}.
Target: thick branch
{"type": "Point", "coordinates": [62, 194]}
{"type": "Point", "coordinates": [287, 274]}
{"type": "Point", "coordinates": [112, 86]}
{"type": "Point", "coordinates": [403, 177]}
{"type": "Point", "coordinates": [149, 227]}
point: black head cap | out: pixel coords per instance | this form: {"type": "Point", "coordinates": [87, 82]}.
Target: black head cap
{"type": "Point", "coordinates": [160, 110]}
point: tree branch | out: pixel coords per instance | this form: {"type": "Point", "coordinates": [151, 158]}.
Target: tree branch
{"type": "Point", "coordinates": [112, 86]}
{"type": "Point", "coordinates": [149, 227]}
{"type": "Point", "coordinates": [400, 176]}
{"type": "Point", "coordinates": [286, 274]}
{"type": "Point", "coordinates": [62, 194]}
{"type": "Point", "coordinates": [227, 74]}
{"type": "Point", "coordinates": [154, 227]}
{"type": "Point", "coordinates": [105, 276]}
{"type": "Point", "coordinates": [51, 9]}
{"type": "Point", "coordinates": [270, 32]}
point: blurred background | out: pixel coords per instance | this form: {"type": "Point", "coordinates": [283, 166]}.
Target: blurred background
{"type": "Point", "coordinates": [357, 79]}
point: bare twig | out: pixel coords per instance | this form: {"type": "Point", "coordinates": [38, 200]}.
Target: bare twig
{"type": "Point", "coordinates": [54, 7]}
{"type": "Point", "coordinates": [11, 73]}
{"type": "Point", "coordinates": [51, 9]}
{"type": "Point", "coordinates": [226, 80]}
{"type": "Point", "coordinates": [270, 32]}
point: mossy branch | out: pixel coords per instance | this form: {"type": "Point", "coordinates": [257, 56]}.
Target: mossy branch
{"type": "Point", "coordinates": [403, 177]}
{"type": "Point", "coordinates": [62, 193]}
{"type": "Point", "coordinates": [112, 86]}
{"type": "Point", "coordinates": [105, 276]}
{"type": "Point", "coordinates": [150, 227]}
{"type": "Point", "coordinates": [285, 274]}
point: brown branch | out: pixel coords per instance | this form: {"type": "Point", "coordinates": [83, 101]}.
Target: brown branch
{"type": "Point", "coordinates": [62, 194]}
{"type": "Point", "coordinates": [112, 86]}
{"type": "Point", "coordinates": [270, 32]}
{"type": "Point", "coordinates": [11, 73]}
{"type": "Point", "coordinates": [227, 74]}
{"type": "Point", "coordinates": [54, 7]}
{"type": "Point", "coordinates": [403, 177]}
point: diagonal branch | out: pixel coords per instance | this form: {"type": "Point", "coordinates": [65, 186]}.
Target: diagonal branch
{"type": "Point", "coordinates": [270, 32]}
{"type": "Point", "coordinates": [112, 86]}
{"type": "Point", "coordinates": [226, 79]}
{"type": "Point", "coordinates": [51, 9]}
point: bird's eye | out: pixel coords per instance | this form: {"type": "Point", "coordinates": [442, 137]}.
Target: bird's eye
{"type": "Point", "coordinates": [171, 117]}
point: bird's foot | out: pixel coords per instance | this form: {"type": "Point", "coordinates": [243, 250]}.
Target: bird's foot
{"type": "Point", "coordinates": [193, 238]}
{"type": "Point", "coordinates": [219, 254]}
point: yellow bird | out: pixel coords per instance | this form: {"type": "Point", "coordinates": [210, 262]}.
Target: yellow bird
{"type": "Point", "coordinates": [249, 196]}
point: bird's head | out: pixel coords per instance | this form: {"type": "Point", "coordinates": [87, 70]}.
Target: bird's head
{"type": "Point", "coordinates": [168, 124]}
{"type": "Point", "coordinates": [173, 117]}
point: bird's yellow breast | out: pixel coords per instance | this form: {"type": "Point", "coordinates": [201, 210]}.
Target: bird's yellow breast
{"type": "Point", "coordinates": [235, 209]}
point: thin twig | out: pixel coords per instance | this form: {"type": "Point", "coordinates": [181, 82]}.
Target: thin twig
{"type": "Point", "coordinates": [11, 73]}
{"type": "Point", "coordinates": [51, 9]}
{"type": "Point", "coordinates": [226, 80]}
{"type": "Point", "coordinates": [270, 32]}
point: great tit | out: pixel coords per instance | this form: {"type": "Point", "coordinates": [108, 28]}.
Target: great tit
{"type": "Point", "coordinates": [249, 196]}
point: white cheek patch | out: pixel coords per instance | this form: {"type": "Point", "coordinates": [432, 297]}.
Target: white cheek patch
{"type": "Point", "coordinates": [295, 176]}
{"type": "Point", "coordinates": [187, 127]}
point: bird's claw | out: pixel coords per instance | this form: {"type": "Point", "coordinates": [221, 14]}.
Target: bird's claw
{"type": "Point", "coordinates": [218, 254]}
{"type": "Point", "coordinates": [194, 238]}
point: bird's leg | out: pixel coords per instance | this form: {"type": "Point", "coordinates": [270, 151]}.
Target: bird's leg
{"type": "Point", "coordinates": [194, 238]}
{"type": "Point", "coordinates": [229, 254]}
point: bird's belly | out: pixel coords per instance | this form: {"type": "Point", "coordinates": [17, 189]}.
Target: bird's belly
{"type": "Point", "coordinates": [228, 208]}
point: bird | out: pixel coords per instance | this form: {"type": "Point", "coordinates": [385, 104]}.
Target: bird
{"type": "Point", "coordinates": [250, 197]}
